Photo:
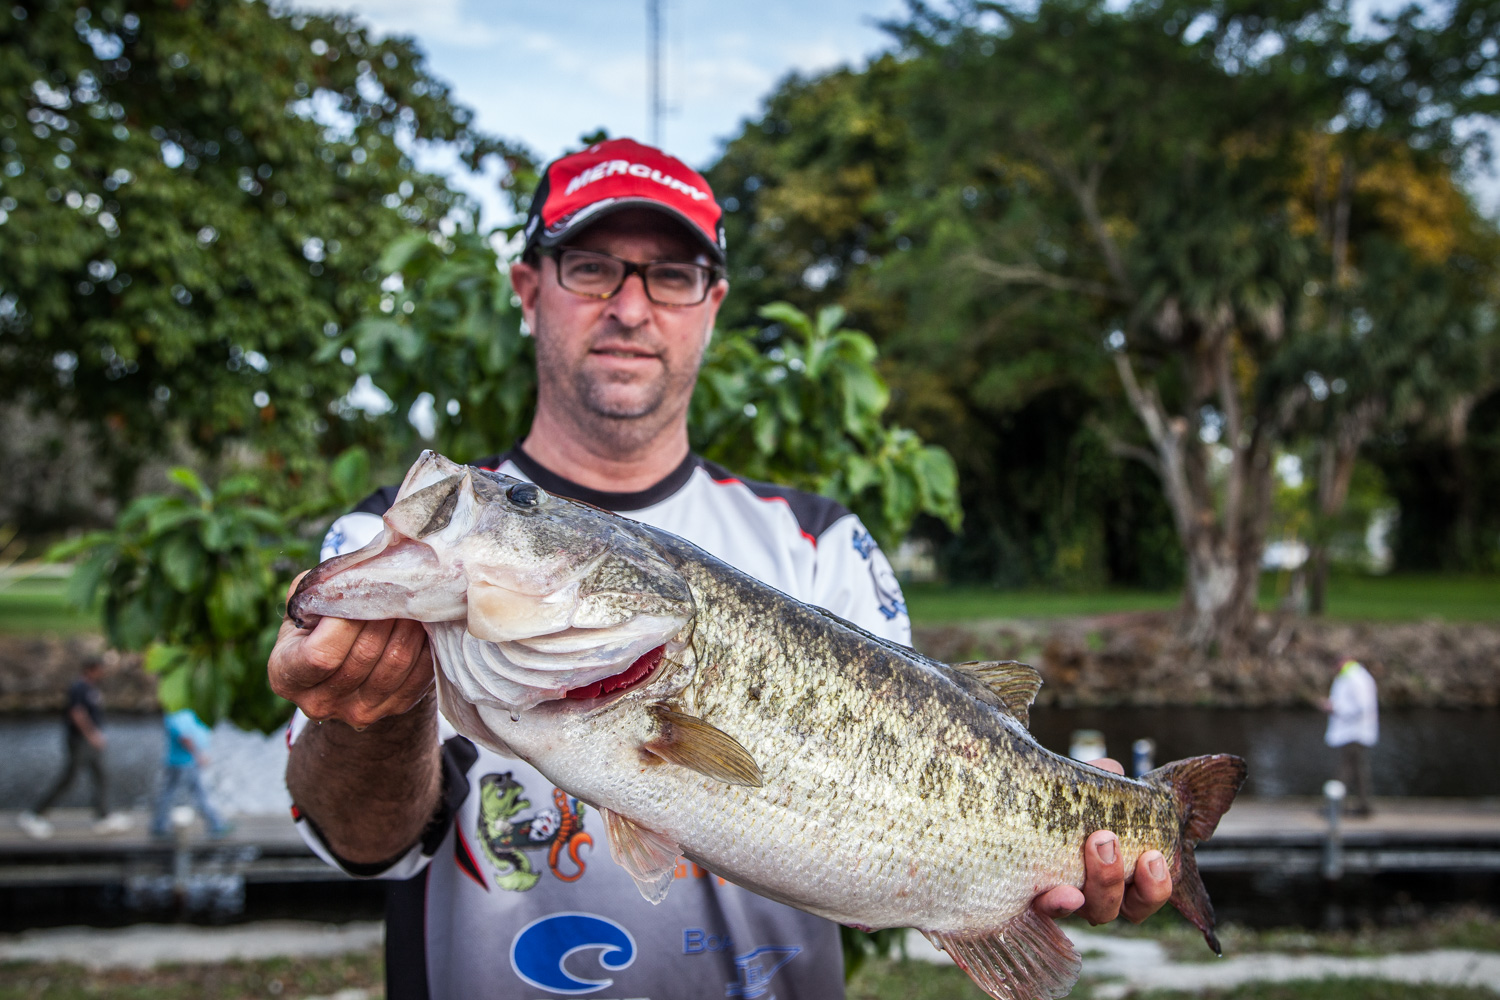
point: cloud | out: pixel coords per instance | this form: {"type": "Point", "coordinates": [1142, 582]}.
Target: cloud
{"type": "Point", "coordinates": [443, 21]}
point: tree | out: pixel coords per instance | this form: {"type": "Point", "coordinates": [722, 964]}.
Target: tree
{"type": "Point", "coordinates": [1119, 186]}
{"type": "Point", "coordinates": [826, 196]}
{"type": "Point", "coordinates": [194, 198]}
{"type": "Point", "coordinates": [1407, 334]}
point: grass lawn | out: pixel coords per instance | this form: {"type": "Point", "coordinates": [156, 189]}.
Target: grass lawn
{"type": "Point", "coordinates": [1399, 597]}
{"type": "Point", "coordinates": [37, 604]}
{"type": "Point", "coordinates": [285, 978]}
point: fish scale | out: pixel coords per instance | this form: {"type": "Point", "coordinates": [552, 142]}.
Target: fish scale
{"type": "Point", "coordinates": [774, 744]}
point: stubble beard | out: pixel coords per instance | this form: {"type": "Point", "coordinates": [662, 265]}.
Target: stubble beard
{"type": "Point", "coordinates": [623, 423]}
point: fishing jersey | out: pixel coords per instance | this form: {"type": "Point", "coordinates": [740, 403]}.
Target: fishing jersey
{"type": "Point", "coordinates": [511, 892]}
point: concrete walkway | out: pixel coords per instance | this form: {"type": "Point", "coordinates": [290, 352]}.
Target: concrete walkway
{"type": "Point", "coordinates": [146, 945]}
{"type": "Point", "coordinates": [1122, 966]}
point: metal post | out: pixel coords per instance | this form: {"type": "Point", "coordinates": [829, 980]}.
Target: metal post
{"type": "Point", "coordinates": [182, 856]}
{"type": "Point", "coordinates": [1333, 845]}
{"type": "Point", "coordinates": [1142, 756]}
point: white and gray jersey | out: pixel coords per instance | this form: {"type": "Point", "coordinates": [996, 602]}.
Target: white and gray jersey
{"type": "Point", "coordinates": [511, 891]}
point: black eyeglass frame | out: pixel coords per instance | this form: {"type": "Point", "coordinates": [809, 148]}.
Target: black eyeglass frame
{"type": "Point", "coordinates": [714, 272]}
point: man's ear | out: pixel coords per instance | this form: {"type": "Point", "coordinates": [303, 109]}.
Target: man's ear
{"type": "Point", "coordinates": [526, 282]}
{"type": "Point", "coordinates": [715, 299]}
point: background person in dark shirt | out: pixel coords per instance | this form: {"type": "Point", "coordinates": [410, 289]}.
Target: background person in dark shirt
{"type": "Point", "coordinates": [83, 722]}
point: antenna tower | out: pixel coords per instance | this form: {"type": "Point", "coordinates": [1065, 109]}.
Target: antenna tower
{"type": "Point", "coordinates": [653, 69]}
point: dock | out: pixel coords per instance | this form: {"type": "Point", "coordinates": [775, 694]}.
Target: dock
{"type": "Point", "coordinates": [259, 849]}
{"type": "Point", "coordinates": [1289, 835]}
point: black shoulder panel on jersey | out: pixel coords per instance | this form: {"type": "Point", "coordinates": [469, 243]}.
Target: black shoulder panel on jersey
{"type": "Point", "coordinates": [814, 513]}
{"type": "Point", "coordinates": [377, 503]}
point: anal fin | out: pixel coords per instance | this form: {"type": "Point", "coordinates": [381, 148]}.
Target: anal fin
{"type": "Point", "coordinates": [649, 857]}
{"type": "Point", "coordinates": [1028, 958]}
{"type": "Point", "coordinates": [692, 743]}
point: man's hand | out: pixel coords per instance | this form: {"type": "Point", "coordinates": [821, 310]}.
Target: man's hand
{"type": "Point", "coordinates": [355, 671]}
{"type": "Point", "coordinates": [371, 792]}
{"type": "Point", "coordinates": [1104, 895]}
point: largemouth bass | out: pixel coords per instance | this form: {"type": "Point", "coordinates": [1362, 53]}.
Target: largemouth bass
{"type": "Point", "coordinates": [708, 716]}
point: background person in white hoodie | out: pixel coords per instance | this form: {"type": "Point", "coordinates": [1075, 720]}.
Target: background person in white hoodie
{"type": "Point", "coordinates": [1353, 727]}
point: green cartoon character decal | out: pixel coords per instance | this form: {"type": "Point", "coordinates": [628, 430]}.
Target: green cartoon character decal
{"type": "Point", "coordinates": [506, 839]}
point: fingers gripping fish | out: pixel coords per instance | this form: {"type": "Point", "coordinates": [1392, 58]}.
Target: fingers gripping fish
{"type": "Point", "coordinates": [711, 717]}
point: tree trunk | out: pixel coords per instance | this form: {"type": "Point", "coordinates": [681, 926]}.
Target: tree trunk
{"type": "Point", "coordinates": [1222, 541]}
{"type": "Point", "coordinates": [1338, 452]}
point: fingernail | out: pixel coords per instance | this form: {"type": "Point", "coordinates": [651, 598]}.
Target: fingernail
{"type": "Point", "coordinates": [1106, 850]}
{"type": "Point", "coordinates": [1157, 866]}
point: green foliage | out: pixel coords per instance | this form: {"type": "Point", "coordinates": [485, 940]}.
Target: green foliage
{"type": "Point", "coordinates": [198, 577]}
{"type": "Point", "coordinates": [192, 197]}
{"type": "Point", "coordinates": [448, 329]}
{"type": "Point", "coordinates": [860, 946]}
{"type": "Point", "coordinates": [808, 413]}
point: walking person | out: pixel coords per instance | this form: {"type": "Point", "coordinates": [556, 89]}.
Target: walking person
{"type": "Point", "coordinates": [187, 754]}
{"type": "Point", "coordinates": [1353, 728]}
{"type": "Point", "coordinates": [83, 725]}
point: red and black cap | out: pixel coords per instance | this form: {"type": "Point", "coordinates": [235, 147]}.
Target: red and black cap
{"type": "Point", "coordinates": [581, 188]}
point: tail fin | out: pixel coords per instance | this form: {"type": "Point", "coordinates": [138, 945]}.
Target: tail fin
{"type": "Point", "coordinates": [1205, 787]}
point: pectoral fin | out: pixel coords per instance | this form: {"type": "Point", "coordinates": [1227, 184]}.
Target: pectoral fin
{"type": "Point", "coordinates": [649, 857]}
{"type": "Point", "coordinates": [1015, 684]}
{"type": "Point", "coordinates": [1029, 957]}
{"type": "Point", "coordinates": [692, 743]}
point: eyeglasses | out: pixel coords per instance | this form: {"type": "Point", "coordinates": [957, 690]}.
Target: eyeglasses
{"type": "Point", "coordinates": [601, 276]}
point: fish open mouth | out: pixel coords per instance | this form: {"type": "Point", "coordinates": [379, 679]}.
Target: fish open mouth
{"type": "Point", "coordinates": [628, 678]}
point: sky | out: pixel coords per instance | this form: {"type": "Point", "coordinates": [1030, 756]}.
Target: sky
{"type": "Point", "coordinates": [547, 73]}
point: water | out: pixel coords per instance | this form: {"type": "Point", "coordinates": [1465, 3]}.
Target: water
{"type": "Point", "coordinates": [1422, 751]}
{"type": "Point", "coordinates": [244, 775]}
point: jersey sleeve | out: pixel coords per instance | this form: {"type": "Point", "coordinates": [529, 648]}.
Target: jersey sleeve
{"type": "Point", "coordinates": [853, 579]}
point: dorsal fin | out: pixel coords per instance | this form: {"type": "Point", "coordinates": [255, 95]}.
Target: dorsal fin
{"type": "Point", "coordinates": [1015, 684]}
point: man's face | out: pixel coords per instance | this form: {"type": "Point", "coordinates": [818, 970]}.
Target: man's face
{"type": "Point", "coordinates": [624, 358]}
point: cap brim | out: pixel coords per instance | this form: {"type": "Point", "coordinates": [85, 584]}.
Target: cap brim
{"type": "Point", "coordinates": [583, 220]}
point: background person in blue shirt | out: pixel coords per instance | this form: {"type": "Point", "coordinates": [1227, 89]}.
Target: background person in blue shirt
{"type": "Point", "coordinates": [187, 749]}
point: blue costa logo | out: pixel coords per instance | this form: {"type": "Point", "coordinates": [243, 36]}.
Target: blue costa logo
{"type": "Point", "coordinates": [540, 952]}
{"type": "Point", "coordinates": [757, 968]}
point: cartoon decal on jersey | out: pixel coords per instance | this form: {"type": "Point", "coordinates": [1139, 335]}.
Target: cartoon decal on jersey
{"type": "Point", "coordinates": [505, 838]}
{"type": "Point", "coordinates": [887, 587]}
{"type": "Point", "coordinates": [756, 970]}
{"type": "Point", "coordinates": [541, 952]}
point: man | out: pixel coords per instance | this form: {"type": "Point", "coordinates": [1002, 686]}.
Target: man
{"type": "Point", "coordinates": [187, 754]}
{"type": "Point", "coordinates": [1353, 727]}
{"type": "Point", "coordinates": [83, 728]}
{"type": "Point", "coordinates": [619, 282]}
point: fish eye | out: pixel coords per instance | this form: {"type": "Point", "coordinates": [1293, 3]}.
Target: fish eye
{"type": "Point", "coordinates": [525, 494]}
